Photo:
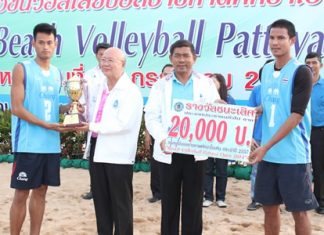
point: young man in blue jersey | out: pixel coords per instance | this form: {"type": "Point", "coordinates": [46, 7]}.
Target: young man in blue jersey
{"type": "Point", "coordinates": [35, 110]}
{"type": "Point", "coordinates": [314, 61]}
{"type": "Point", "coordinates": [284, 155]}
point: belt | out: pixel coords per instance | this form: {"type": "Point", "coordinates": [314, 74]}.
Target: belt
{"type": "Point", "coordinates": [317, 127]}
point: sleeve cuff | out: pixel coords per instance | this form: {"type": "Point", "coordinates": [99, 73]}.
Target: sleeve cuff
{"type": "Point", "coordinates": [94, 127]}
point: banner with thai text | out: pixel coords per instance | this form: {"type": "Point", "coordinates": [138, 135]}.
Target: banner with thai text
{"type": "Point", "coordinates": [213, 130]}
{"type": "Point", "coordinates": [230, 36]}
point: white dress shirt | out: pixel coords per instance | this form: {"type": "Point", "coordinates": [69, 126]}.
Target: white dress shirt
{"type": "Point", "coordinates": [158, 109]}
{"type": "Point", "coordinates": [119, 127]}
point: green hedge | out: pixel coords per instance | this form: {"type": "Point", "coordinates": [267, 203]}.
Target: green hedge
{"type": "Point", "coordinates": [72, 146]}
{"type": "Point", "coordinates": [6, 158]}
{"type": "Point", "coordinates": [237, 171]}
{"type": "Point", "coordinates": [72, 143]}
{"type": "Point", "coordinates": [5, 132]}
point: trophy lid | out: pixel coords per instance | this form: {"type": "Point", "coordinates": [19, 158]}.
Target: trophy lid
{"type": "Point", "coordinates": [75, 78]}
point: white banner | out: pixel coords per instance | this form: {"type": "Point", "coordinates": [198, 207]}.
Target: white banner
{"type": "Point", "coordinates": [214, 130]}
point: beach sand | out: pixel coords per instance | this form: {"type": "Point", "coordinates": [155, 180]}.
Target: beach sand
{"type": "Point", "coordinates": [67, 213]}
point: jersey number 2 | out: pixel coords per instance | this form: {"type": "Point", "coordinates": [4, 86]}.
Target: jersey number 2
{"type": "Point", "coordinates": [48, 108]}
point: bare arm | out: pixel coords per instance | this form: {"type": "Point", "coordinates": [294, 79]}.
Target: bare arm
{"type": "Point", "coordinates": [301, 93]}
{"type": "Point", "coordinates": [292, 121]}
{"type": "Point", "coordinates": [17, 101]}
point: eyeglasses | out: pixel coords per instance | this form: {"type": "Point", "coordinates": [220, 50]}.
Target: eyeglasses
{"type": "Point", "coordinates": [109, 61]}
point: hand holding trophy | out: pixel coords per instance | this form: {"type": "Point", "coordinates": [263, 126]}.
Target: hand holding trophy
{"type": "Point", "coordinates": [74, 91]}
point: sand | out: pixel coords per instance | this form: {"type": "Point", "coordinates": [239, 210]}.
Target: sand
{"type": "Point", "coordinates": [67, 213]}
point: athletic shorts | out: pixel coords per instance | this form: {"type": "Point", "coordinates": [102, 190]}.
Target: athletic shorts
{"type": "Point", "coordinates": [285, 183]}
{"type": "Point", "coordinates": [32, 170]}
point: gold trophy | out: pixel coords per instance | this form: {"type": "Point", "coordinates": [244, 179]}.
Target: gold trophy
{"type": "Point", "coordinates": [74, 91]}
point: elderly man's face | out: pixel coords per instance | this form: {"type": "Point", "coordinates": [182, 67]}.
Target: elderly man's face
{"type": "Point", "coordinates": [112, 64]}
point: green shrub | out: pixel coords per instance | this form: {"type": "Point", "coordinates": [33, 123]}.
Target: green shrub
{"type": "Point", "coordinates": [72, 143]}
{"type": "Point", "coordinates": [142, 154]}
{"type": "Point", "coordinates": [5, 132]}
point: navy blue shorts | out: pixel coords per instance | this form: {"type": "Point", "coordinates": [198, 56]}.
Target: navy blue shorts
{"type": "Point", "coordinates": [285, 183]}
{"type": "Point", "coordinates": [32, 170]}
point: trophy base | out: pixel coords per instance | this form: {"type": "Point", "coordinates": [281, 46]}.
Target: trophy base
{"type": "Point", "coordinates": [73, 120]}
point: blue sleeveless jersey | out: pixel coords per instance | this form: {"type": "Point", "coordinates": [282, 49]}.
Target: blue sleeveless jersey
{"type": "Point", "coordinates": [42, 90]}
{"type": "Point", "coordinates": [276, 95]}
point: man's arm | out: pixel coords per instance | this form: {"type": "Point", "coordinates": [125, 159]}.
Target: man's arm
{"type": "Point", "coordinates": [300, 97]}
{"type": "Point", "coordinates": [153, 113]}
{"type": "Point", "coordinates": [129, 111]}
{"type": "Point", "coordinates": [302, 90]}
{"type": "Point", "coordinates": [17, 95]}
{"type": "Point", "coordinates": [284, 130]}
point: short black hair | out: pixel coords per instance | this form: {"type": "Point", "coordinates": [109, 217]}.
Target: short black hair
{"type": "Point", "coordinates": [311, 55]}
{"type": "Point", "coordinates": [182, 43]}
{"type": "Point", "coordinates": [286, 24]}
{"type": "Point", "coordinates": [44, 28]}
{"type": "Point", "coordinates": [102, 45]}
{"type": "Point", "coordinates": [165, 66]}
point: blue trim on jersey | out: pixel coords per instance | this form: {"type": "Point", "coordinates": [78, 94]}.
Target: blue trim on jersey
{"type": "Point", "coordinates": [61, 77]}
{"type": "Point", "coordinates": [305, 140]}
{"type": "Point", "coordinates": [25, 78]}
{"type": "Point", "coordinates": [17, 134]}
{"type": "Point", "coordinates": [255, 101]}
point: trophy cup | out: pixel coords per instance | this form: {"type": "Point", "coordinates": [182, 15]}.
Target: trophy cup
{"type": "Point", "coordinates": [74, 91]}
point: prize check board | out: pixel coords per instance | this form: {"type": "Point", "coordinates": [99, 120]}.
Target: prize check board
{"type": "Point", "coordinates": [213, 129]}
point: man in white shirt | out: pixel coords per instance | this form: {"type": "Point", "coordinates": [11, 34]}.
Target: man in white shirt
{"type": "Point", "coordinates": [94, 80]}
{"type": "Point", "coordinates": [181, 174]}
{"type": "Point", "coordinates": [114, 133]}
